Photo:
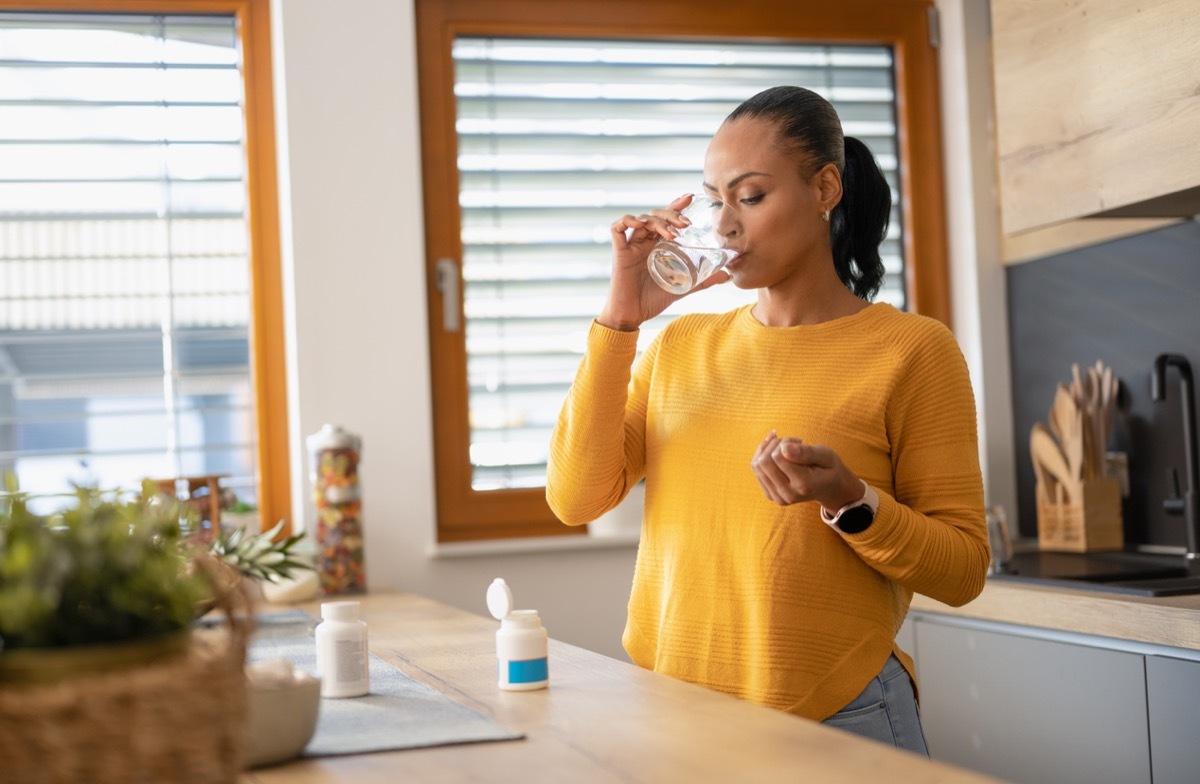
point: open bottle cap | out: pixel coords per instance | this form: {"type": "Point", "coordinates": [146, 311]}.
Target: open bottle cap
{"type": "Point", "coordinates": [499, 599]}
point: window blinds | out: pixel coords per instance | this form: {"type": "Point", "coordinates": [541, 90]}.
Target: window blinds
{"type": "Point", "coordinates": [124, 275]}
{"type": "Point", "coordinates": [556, 140]}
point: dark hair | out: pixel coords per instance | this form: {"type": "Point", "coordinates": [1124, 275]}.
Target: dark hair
{"type": "Point", "coordinates": [858, 224]}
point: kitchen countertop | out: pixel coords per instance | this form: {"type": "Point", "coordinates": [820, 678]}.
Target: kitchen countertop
{"type": "Point", "coordinates": [1167, 620]}
{"type": "Point", "coordinates": [601, 720]}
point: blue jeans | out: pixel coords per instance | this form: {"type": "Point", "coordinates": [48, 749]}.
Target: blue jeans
{"type": "Point", "coordinates": [886, 711]}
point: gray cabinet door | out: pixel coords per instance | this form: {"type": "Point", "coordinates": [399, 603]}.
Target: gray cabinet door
{"type": "Point", "coordinates": [1032, 710]}
{"type": "Point", "coordinates": [1173, 699]}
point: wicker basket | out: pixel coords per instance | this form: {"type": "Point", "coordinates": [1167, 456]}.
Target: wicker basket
{"type": "Point", "coordinates": [175, 721]}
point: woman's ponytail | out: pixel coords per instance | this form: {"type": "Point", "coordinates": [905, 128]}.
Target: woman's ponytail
{"type": "Point", "coordinates": [860, 221]}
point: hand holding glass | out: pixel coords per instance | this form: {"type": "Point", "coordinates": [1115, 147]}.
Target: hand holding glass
{"type": "Point", "coordinates": [680, 264]}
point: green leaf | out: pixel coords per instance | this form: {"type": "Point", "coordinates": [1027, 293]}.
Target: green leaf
{"type": "Point", "coordinates": [105, 567]}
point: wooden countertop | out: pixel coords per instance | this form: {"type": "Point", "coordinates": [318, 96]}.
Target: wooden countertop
{"type": "Point", "coordinates": [1169, 620]}
{"type": "Point", "coordinates": [601, 720]}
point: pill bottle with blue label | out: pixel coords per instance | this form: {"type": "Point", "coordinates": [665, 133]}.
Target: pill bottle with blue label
{"type": "Point", "coordinates": [522, 649]}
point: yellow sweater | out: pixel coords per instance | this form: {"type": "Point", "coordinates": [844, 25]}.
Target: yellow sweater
{"type": "Point", "coordinates": [735, 592]}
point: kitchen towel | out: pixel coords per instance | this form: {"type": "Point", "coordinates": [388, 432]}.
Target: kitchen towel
{"type": "Point", "coordinates": [399, 712]}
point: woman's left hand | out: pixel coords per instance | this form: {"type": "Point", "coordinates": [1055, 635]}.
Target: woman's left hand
{"type": "Point", "coordinates": [791, 471]}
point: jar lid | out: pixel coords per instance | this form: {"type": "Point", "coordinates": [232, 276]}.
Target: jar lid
{"type": "Point", "coordinates": [499, 599]}
{"type": "Point", "coordinates": [333, 437]}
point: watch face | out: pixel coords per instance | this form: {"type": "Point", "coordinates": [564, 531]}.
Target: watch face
{"type": "Point", "coordinates": [856, 520]}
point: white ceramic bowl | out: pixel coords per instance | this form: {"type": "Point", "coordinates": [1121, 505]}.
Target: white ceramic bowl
{"type": "Point", "coordinates": [282, 715]}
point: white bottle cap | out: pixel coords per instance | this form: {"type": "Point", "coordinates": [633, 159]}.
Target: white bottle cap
{"type": "Point", "coordinates": [499, 599]}
{"type": "Point", "coordinates": [339, 611]}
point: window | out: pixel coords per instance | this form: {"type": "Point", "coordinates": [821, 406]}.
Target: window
{"type": "Point", "coordinates": [139, 298]}
{"type": "Point", "coordinates": [538, 134]}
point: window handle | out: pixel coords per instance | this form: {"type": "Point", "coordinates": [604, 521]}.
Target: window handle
{"type": "Point", "coordinates": [447, 284]}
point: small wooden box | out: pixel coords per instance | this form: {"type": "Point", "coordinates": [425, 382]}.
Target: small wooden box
{"type": "Point", "coordinates": [1095, 524]}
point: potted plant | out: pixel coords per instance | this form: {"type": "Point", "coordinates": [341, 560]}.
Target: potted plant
{"type": "Point", "coordinates": [103, 674]}
{"type": "Point", "coordinates": [114, 569]}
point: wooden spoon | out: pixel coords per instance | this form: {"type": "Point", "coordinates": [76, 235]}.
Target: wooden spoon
{"type": "Point", "coordinates": [1066, 420]}
{"type": "Point", "coordinates": [1072, 447]}
{"type": "Point", "coordinates": [1086, 445]}
{"type": "Point", "coordinates": [1047, 485]}
{"type": "Point", "coordinates": [1061, 411]}
{"type": "Point", "coordinates": [1046, 453]}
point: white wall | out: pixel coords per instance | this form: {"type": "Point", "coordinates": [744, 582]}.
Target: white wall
{"type": "Point", "coordinates": [977, 279]}
{"type": "Point", "coordinates": [350, 187]}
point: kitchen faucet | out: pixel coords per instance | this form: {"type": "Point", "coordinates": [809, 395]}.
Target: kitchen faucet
{"type": "Point", "coordinates": [1189, 503]}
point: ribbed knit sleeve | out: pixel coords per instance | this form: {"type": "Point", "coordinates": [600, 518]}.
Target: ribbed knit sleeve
{"type": "Point", "coordinates": [597, 446]}
{"type": "Point", "coordinates": [935, 543]}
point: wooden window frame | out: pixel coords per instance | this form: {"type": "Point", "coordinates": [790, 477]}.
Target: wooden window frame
{"type": "Point", "coordinates": [267, 347]}
{"type": "Point", "coordinates": [904, 25]}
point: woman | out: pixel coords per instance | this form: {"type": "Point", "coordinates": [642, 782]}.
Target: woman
{"type": "Point", "coordinates": [810, 460]}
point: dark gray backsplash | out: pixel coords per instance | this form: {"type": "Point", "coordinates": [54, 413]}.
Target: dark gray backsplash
{"type": "Point", "coordinates": [1123, 302]}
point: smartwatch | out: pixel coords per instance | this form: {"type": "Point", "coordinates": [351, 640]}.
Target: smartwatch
{"type": "Point", "coordinates": [856, 516]}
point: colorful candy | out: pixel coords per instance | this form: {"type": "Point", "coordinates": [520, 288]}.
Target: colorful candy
{"type": "Point", "coordinates": [333, 456]}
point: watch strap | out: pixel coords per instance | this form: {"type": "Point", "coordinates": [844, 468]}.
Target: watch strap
{"type": "Point", "coordinates": [869, 500]}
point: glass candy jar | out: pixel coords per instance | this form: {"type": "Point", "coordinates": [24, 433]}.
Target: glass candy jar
{"type": "Point", "coordinates": [333, 459]}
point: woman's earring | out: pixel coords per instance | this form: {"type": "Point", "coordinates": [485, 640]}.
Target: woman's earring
{"type": "Point", "coordinates": [825, 216]}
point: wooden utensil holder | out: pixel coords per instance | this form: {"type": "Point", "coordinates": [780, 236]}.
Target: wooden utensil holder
{"type": "Point", "coordinates": [1095, 524]}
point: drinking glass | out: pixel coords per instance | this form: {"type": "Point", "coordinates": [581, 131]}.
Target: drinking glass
{"type": "Point", "coordinates": [682, 263]}
{"type": "Point", "coordinates": [999, 540]}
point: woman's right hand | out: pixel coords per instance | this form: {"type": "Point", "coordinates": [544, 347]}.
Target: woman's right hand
{"type": "Point", "coordinates": [633, 296]}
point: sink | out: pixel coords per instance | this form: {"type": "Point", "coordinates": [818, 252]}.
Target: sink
{"type": "Point", "coordinates": [1138, 574]}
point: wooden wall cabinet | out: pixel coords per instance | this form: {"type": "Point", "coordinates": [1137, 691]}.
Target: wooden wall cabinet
{"type": "Point", "coordinates": [1097, 110]}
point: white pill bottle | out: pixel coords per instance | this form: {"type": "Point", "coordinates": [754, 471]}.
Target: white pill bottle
{"type": "Point", "coordinates": [522, 647]}
{"type": "Point", "coordinates": [342, 651]}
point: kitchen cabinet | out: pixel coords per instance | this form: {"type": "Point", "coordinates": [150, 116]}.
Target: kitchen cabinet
{"type": "Point", "coordinates": [1028, 709]}
{"type": "Point", "coordinates": [1097, 110]}
{"type": "Point", "coordinates": [1173, 700]}
{"type": "Point", "coordinates": [1037, 625]}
